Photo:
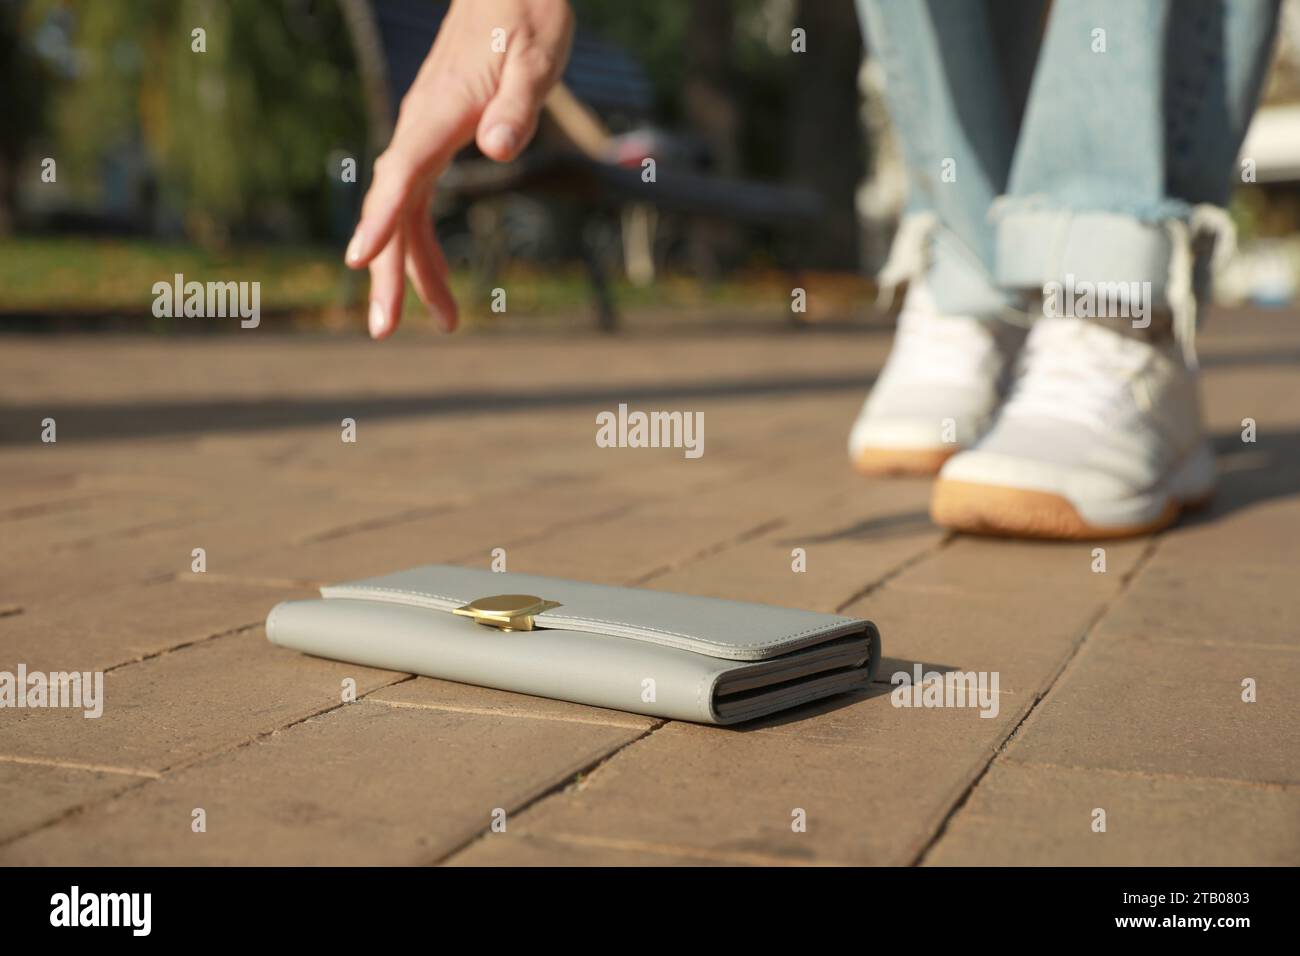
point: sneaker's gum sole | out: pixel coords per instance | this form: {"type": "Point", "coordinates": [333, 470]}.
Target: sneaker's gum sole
{"type": "Point", "coordinates": [1020, 513]}
{"type": "Point", "coordinates": [914, 462]}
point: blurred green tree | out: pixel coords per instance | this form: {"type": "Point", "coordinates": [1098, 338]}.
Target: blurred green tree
{"type": "Point", "coordinates": [238, 125]}
{"type": "Point", "coordinates": [24, 93]}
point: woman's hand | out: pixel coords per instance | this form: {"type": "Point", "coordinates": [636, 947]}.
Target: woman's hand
{"type": "Point", "coordinates": [466, 89]}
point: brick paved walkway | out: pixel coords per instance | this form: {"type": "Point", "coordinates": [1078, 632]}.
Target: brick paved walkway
{"type": "Point", "coordinates": [1119, 690]}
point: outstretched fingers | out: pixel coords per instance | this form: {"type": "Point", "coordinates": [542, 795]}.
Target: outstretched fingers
{"type": "Point", "coordinates": [387, 287]}
{"type": "Point", "coordinates": [427, 266]}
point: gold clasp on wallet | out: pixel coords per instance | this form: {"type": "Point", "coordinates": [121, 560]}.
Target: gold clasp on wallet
{"type": "Point", "coordinates": [506, 612]}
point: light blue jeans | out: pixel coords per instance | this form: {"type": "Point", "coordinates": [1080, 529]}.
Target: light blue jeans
{"type": "Point", "coordinates": [1071, 154]}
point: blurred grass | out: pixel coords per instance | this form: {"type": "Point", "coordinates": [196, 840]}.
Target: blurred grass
{"type": "Point", "coordinates": [76, 275]}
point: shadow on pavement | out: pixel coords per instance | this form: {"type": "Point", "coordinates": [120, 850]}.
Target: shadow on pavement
{"type": "Point", "coordinates": [1252, 472]}
{"type": "Point", "coordinates": [123, 420]}
{"type": "Point", "coordinates": [899, 524]}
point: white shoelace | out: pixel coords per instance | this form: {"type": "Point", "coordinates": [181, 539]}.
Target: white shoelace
{"type": "Point", "coordinates": [908, 255]}
{"type": "Point", "coordinates": [943, 350]}
{"type": "Point", "coordinates": [1070, 370]}
{"type": "Point", "coordinates": [1205, 220]}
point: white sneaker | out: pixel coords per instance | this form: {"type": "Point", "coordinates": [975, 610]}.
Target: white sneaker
{"type": "Point", "coordinates": [1100, 437]}
{"type": "Point", "coordinates": [938, 391]}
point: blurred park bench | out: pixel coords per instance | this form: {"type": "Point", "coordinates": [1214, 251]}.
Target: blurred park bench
{"type": "Point", "coordinates": [577, 163]}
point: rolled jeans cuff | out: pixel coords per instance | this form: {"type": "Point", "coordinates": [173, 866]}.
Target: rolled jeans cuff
{"type": "Point", "coordinates": [1036, 246]}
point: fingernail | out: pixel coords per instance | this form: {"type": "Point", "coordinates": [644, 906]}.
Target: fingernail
{"type": "Point", "coordinates": [500, 139]}
{"type": "Point", "coordinates": [378, 321]}
{"type": "Point", "coordinates": [444, 321]}
{"type": "Point", "coordinates": [354, 248]}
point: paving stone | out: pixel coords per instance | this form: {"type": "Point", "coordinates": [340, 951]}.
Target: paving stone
{"type": "Point", "coordinates": [1026, 646]}
{"type": "Point", "coordinates": [1038, 570]}
{"type": "Point", "coordinates": [960, 608]}
{"type": "Point", "coordinates": [66, 530]}
{"type": "Point", "coordinates": [870, 803]}
{"type": "Point", "coordinates": [1166, 706]}
{"type": "Point", "coordinates": [109, 628]}
{"type": "Point", "coordinates": [171, 709]}
{"type": "Point", "coordinates": [49, 493]}
{"type": "Point", "coordinates": [854, 753]}
{"type": "Point", "coordinates": [267, 522]}
{"type": "Point", "coordinates": [163, 441]}
{"type": "Point", "coordinates": [32, 794]}
{"type": "Point", "coordinates": [1239, 529]}
{"type": "Point", "coordinates": [1022, 815]}
{"type": "Point", "coordinates": [1226, 605]}
{"type": "Point", "coordinates": [1267, 393]}
{"type": "Point", "coordinates": [366, 784]}
{"type": "Point", "coordinates": [849, 540]}
{"type": "Point", "coordinates": [449, 537]}
{"type": "Point", "coordinates": [531, 849]}
{"type": "Point", "coordinates": [659, 534]}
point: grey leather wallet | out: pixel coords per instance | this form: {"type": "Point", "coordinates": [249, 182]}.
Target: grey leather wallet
{"type": "Point", "coordinates": [652, 652]}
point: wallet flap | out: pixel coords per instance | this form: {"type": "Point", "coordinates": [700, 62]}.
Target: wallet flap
{"type": "Point", "coordinates": [732, 630]}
